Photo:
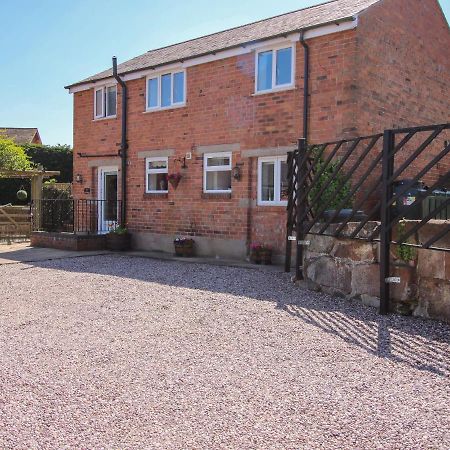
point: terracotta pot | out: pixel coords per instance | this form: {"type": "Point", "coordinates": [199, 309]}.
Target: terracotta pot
{"type": "Point", "coordinates": [118, 242]}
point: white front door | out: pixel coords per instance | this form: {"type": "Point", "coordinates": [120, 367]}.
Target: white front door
{"type": "Point", "coordinates": [108, 211]}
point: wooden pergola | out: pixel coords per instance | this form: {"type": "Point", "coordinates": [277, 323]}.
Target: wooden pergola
{"type": "Point", "coordinates": [36, 176]}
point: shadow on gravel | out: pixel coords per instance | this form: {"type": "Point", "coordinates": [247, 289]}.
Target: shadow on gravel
{"type": "Point", "coordinates": [422, 344]}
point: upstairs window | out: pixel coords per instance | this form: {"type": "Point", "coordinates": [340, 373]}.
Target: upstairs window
{"type": "Point", "coordinates": [272, 181]}
{"type": "Point", "coordinates": [105, 102]}
{"type": "Point", "coordinates": [217, 173]}
{"type": "Point", "coordinates": [165, 91]}
{"type": "Point", "coordinates": [274, 69]}
{"type": "Point", "coordinates": [156, 175]}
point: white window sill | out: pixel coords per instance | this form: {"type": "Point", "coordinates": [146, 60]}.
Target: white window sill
{"type": "Point", "coordinates": [217, 192]}
{"type": "Point", "coordinates": [275, 90]}
{"type": "Point", "coordinates": [157, 192]}
{"type": "Point", "coordinates": [272, 204]}
{"type": "Point", "coordinates": [165, 108]}
{"type": "Point", "coordinates": [99, 119]}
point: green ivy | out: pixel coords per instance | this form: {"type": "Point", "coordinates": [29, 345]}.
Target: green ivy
{"type": "Point", "coordinates": [404, 252]}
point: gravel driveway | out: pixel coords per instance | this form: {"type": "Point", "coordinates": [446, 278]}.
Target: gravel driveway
{"type": "Point", "coordinates": [128, 353]}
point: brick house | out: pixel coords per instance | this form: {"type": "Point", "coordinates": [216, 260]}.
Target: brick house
{"type": "Point", "coordinates": [223, 111]}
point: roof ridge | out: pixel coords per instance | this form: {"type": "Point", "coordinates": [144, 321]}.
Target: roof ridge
{"type": "Point", "coordinates": [18, 128]}
{"type": "Point", "coordinates": [242, 26]}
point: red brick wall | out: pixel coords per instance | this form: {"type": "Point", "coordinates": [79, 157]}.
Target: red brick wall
{"type": "Point", "coordinates": [220, 110]}
{"type": "Point", "coordinates": [362, 81]}
{"type": "Point", "coordinates": [404, 73]}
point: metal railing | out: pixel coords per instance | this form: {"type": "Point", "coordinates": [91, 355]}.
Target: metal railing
{"type": "Point", "coordinates": [77, 216]}
{"type": "Point", "coordinates": [382, 178]}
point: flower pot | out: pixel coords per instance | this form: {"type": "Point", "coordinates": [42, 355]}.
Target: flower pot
{"type": "Point", "coordinates": [266, 257]}
{"type": "Point", "coordinates": [118, 242]}
{"type": "Point", "coordinates": [184, 248]}
{"type": "Point", "coordinates": [174, 182]}
{"type": "Point", "coordinates": [255, 256]}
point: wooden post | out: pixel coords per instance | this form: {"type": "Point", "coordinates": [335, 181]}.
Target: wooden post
{"type": "Point", "coordinates": [36, 197]}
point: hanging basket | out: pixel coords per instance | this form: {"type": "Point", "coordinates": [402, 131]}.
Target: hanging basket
{"type": "Point", "coordinates": [22, 194]}
{"type": "Point", "coordinates": [174, 179]}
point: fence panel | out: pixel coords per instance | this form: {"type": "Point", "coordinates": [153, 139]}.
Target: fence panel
{"type": "Point", "coordinates": [381, 180]}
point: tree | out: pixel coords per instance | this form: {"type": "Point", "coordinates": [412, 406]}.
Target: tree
{"type": "Point", "coordinates": [52, 157]}
{"type": "Point", "coordinates": [12, 156]}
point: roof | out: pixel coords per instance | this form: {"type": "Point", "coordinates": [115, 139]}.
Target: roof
{"type": "Point", "coordinates": [22, 135]}
{"type": "Point", "coordinates": [315, 16]}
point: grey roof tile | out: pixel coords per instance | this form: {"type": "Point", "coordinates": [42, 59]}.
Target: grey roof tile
{"type": "Point", "coordinates": [311, 17]}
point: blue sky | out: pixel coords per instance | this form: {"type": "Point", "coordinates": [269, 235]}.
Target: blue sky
{"type": "Point", "coordinates": [47, 44]}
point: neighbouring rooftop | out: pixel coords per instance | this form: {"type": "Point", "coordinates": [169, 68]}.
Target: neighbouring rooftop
{"type": "Point", "coordinates": [22, 136]}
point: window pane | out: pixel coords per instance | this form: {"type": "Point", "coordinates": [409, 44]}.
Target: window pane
{"type": "Point", "coordinates": [166, 88]}
{"type": "Point", "coordinates": [284, 66]}
{"type": "Point", "coordinates": [157, 164]}
{"type": "Point", "coordinates": [218, 161]}
{"type": "Point", "coordinates": [218, 181]}
{"type": "Point", "coordinates": [99, 103]}
{"type": "Point", "coordinates": [268, 181]}
{"type": "Point", "coordinates": [265, 70]}
{"type": "Point", "coordinates": [152, 100]}
{"type": "Point", "coordinates": [111, 93]}
{"type": "Point", "coordinates": [157, 182]}
{"type": "Point", "coordinates": [178, 87]}
{"type": "Point", "coordinates": [284, 183]}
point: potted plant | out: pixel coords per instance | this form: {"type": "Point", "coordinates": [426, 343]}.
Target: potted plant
{"type": "Point", "coordinates": [265, 253]}
{"type": "Point", "coordinates": [255, 252]}
{"type": "Point", "coordinates": [174, 179]}
{"type": "Point", "coordinates": [184, 247]}
{"type": "Point", "coordinates": [118, 239]}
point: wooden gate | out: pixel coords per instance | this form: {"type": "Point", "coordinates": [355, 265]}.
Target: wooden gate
{"type": "Point", "coordinates": [15, 222]}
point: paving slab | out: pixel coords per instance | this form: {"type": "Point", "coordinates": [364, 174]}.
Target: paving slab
{"type": "Point", "coordinates": [23, 253]}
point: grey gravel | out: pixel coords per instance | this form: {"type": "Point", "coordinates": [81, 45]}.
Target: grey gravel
{"type": "Point", "coordinates": [112, 352]}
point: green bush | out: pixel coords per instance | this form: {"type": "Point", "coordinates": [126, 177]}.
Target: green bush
{"type": "Point", "coordinates": [12, 156]}
{"type": "Point", "coordinates": [58, 157]}
{"type": "Point", "coordinates": [335, 193]}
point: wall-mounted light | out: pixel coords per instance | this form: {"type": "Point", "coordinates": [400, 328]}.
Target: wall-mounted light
{"type": "Point", "coordinates": [79, 178]}
{"type": "Point", "coordinates": [236, 172]}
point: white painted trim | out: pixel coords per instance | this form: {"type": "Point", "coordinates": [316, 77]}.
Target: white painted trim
{"type": "Point", "coordinates": [274, 49]}
{"type": "Point", "coordinates": [276, 179]}
{"type": "Point", "coordinates": [158, 76]}
{"type": "Point", "coordinates": [101, 171]}
{"type": "Point", "coordinates": [224, 168]}
{"type": "Point", "coordinates": [229, 53]}
{"type": "Point", "coordinates": [104, 114]}
{"type": "Point", "coordinates": [151, 171]}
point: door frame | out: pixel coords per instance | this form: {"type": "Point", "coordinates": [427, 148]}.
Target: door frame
{"type": "Point", "coordinates": [102, 171]}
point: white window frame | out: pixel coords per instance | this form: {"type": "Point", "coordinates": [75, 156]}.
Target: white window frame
{"type": "Point", "coordinates": [225, 168]}
{"type": "Point", "coordinates": [104, 114]}
{"type": "Point", "coordinates": [277, 160]}
{"type": "Point", "coordinates": [153, 171]}
{"type": "Point", "coordinates": [275, 87]}
{"type": "Point", "coordinates": [159, 76]}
